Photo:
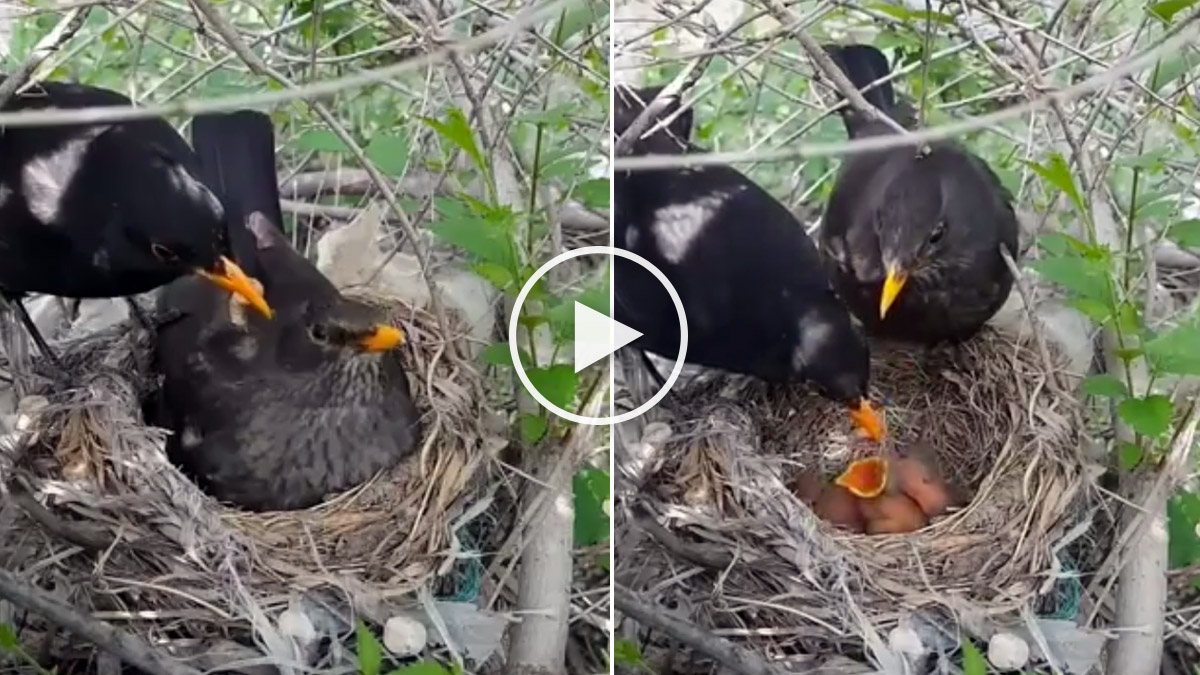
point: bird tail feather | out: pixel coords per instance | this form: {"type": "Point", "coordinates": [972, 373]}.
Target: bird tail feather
{"type": "Point", "coordinates": [864, 64]}
{"type": "Point", "coordinates": [237, 160]}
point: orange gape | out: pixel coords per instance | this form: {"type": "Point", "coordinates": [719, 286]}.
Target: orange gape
{"type": "Point", "coordinates": [866, 478]}
{"type": "Point", "coordinates": [898, 494]}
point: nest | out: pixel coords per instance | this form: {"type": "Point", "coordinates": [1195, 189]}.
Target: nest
{"type": "Point", "coordinates": [1000, 428]}
{"type": "Point", "coordinates": [104, 516]}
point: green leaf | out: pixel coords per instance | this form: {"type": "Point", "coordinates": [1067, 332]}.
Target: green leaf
{"type": "Point", "coordinates": [1186, 233]}
{"type": "Point", "coordinates": [1177, 351]}
{"type": "Point", "coordinates": [533, 428]}
{"type": "Point", "coordinates": [370, 652]}
{"type": "Point", "coordinates": [422, 668]}
{"type": "Point", "coordinates": [973, 661]}
{"type": "Point", "coordinates": [497, 275]}
{"type": "Point", "coordinates": [1057, 172]}
{"type": "Point", "coordinates": [591, 492]}
{"type": "Point", "coordinates": [1130, 456]}
{"type": "Point", "coordinates": [485, 236]}
{"type": "Point", "coordinates": [1167, 9]}
{"type": "Point", "coordinates": [912, 17]}
{"type": "Point", "coordinates": [1183, 513]}
{"type": "Point", "coordinates": [1105, 386]}
{"type": "Point", "coordinates": [1087, 277]}
{"type": "Point", "coordinates": [499, 354]}
{"type": "Point", "coordinates": [557, 383]}
{"type": "Point", "coordinates": [626, 652]}
{"type": "Point", "coordinates": [594, 193]}
{"type": "Point", "coordinates": [389, 153]}
{"type": "Point", "coordinates": [1149, 416]}
{"type": "Point", "coordinates": [8, 640]}
{"type": "Point", "coordinates": [1173, 68]}
{"type": "Point", "coordinates": [576, 19]}
{"type": "Point", "coordinates": [320, 140]}
{"type": "Point", "coordinates": [457, 130]}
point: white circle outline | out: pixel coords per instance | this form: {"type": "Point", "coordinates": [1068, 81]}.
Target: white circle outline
{"type": "Point", "coordinates": [576, 253]}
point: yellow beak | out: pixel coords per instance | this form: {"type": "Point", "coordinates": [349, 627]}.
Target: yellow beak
{"type": "Point", "coordinates": [872, 424]}
{"type": "Point", "coordinates": [382, 339]}
{"type": "Point", "coordinates": [231, 278]}
{"type": "Point", "coordinates": [892, 286]}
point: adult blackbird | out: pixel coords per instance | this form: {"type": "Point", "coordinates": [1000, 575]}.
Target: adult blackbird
{"type": "Point", "coordinates": [275, 415]}
{"type": "Point", "coordinates": [104, 210]}
{"type": "Point", "coordinates": [913, 235]}
{"type": "Point", "coordinates": [757, 299]}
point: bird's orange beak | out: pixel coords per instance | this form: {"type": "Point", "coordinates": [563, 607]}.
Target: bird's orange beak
{"type": "Point", "coordinates": [868, 420]}
{"type": "Point", "coordinates": [230, 277]}
{"type": "Point", "coordinates": [382, 338]}
{"type": "Point", "coordinates": [865, 478]}
{"type": "Point", "coordinates": [892, 285]}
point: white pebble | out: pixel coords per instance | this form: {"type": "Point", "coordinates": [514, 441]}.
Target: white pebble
{"type": "Point", "coordinates": [1007, 651]}
{"type": "Point", "coordinates": [906, 641]}
{"type": "Point", "coordinates": [294, 623]}
{"type": "Point", "coordinates": [404, 636]}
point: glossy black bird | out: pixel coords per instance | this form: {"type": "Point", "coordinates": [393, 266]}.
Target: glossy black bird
{"type": "Point", "coordinates": [104, 210]}
{"type": "Point", "coordinates": [274, 415]}
{"type": "Point", "coordinates": [914, 237]}
{"type": "Point", "coordinates": [757, 299]}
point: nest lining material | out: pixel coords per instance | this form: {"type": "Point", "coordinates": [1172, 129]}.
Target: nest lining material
{"type": "Point", "coordinates": [164, 546]}
{"type": "Point", "coordinates": [987, 412]}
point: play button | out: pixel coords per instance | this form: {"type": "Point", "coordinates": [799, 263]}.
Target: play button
{"type": "Point", "coordinates": [597, 336]}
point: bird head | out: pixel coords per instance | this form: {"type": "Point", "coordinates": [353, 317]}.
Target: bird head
{"type": "Point", "coordinates": [165, 220]}
{"type": "Point", "coordinates": [835, 359]}
{"type": "Point", "coordinates": [916, 225]}
{"type": "Point", "coordinates": [355, 328]}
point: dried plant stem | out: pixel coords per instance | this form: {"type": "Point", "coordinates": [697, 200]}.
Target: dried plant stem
{"type": "Point", "coordinates": [128, 648]}
{"type": "Point", "coordinates": [742, 661]}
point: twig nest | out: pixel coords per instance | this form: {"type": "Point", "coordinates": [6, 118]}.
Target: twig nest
{"type": "Point", "coordinates": [404, 636]}
{"type": "Point", "coordinates": [89, 458]}
{"type": "Point", "coordinates": [987, 414]}
{"type": "Point", "coordinates": [1007, 651]}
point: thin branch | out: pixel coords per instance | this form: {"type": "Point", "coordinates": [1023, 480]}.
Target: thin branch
{"type": "Point", "coordinates": [66, 29]}
{"type": "Point", "coordinates": [128, 648]}
{"type": "Point", "coordinates": [315, 90]}
{"type": "Point", "coordinates": [883, 142]}
{"type": "Point", "coordinates": [830, 69]}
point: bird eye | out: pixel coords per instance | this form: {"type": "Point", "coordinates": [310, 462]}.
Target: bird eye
{"type": "Point", "coordinates": [938, 231]}
{"type": "Point", "coordinates": [163, 253]}
{"type": "Point", "coordinates": [319, 333]}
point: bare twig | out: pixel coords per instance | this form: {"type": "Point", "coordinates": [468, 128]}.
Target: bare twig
{"type": "Point", "coordinates": [742, 661]}
{"type": "Point", "coordinates": [128, 648]}
{"type": "Point", "coordinates": [831, 70]}
{"type": "Point", "coordinates": [264, 99]}
{"type": "Point", "coordinates": [1186, 35]}
{"type": "Point", "coordinates": [66, 28]}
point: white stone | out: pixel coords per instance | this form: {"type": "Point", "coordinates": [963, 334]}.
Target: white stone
{"type": "Point", "coordinates": [294, 623]}
{"type": "Point", "coordinates": [404, 636]}
{"type": "Point", "coordinates": [1007, 651]}
{"type": "Point", "coordinates": [905, 640]}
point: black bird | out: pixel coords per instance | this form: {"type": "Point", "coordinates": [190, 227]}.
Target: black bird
{"type": "Point", "coordinates": [104, 210]}
{"type": "Point", "coordinates": [275, 415]}
{"type": "Point", "coordinates": [757, 299]}
{"type": "Point", "coordinates": [913, 236]}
